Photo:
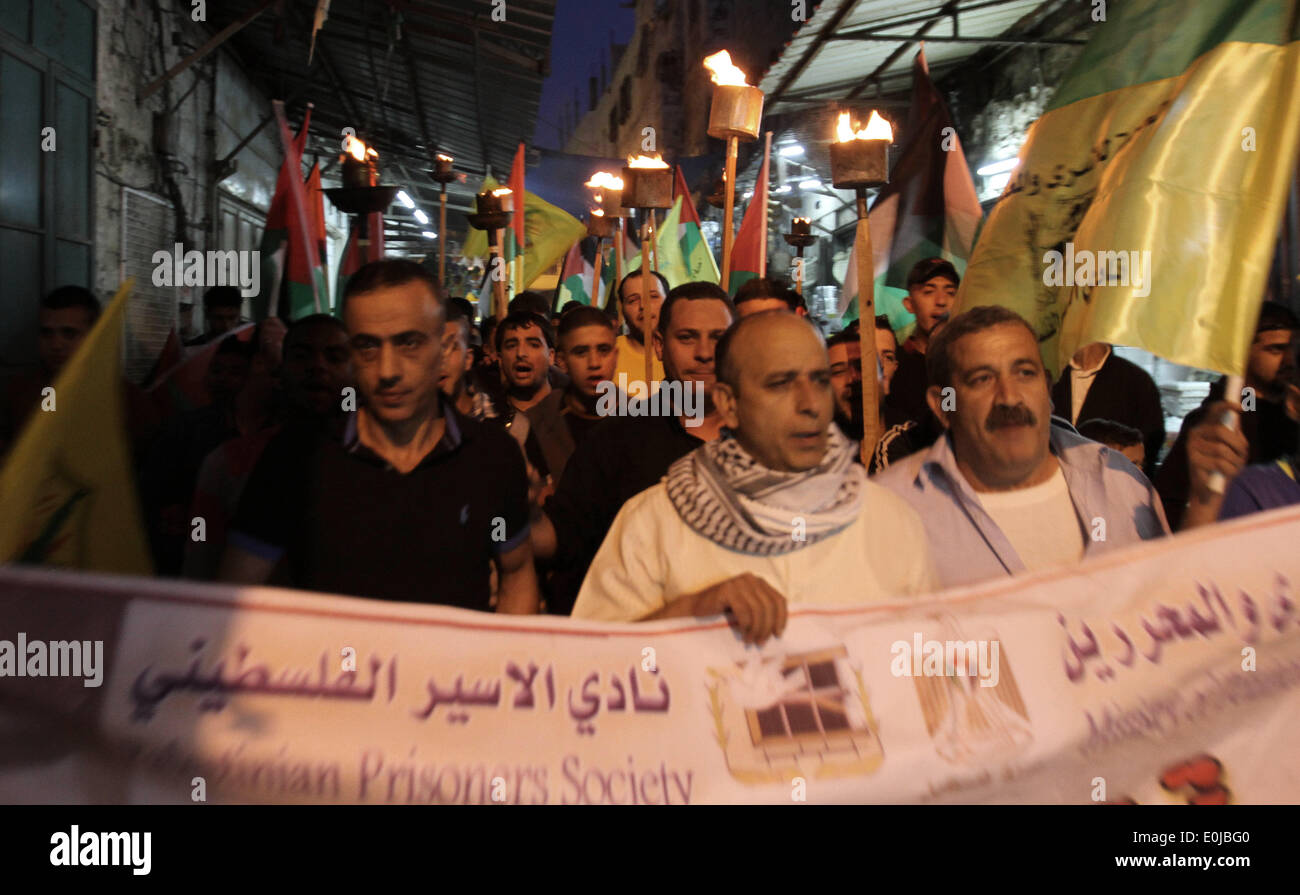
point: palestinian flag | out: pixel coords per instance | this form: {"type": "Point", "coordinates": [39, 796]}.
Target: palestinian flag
{"type": "Point", "coordinates": [749, 251]}
{"type": "Point", "coordinates": [355, 255]}
{"type": "Point", "coordinates": [700, 265]}
{"type": "Point", "coordinates": [929, 208]}
{"type": "Point", "coordinates": [1146, 203]}
{"type": "Point", "coordinates": [306, 282]}
{"type": "Point", "coordinates": [575, 275]}
{"type": "Point", "coordinates": [274, 246]}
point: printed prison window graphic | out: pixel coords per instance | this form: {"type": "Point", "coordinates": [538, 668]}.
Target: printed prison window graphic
{"type": "Point", "coordinates": [805, 714]}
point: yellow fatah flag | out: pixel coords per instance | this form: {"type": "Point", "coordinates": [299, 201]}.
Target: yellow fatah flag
{"type": "Point", "coordinates": [1145, 206]}
{"type": "Point", "coordinates": [549, 231]}
{"type": "Point", "coordinates": [67, 495]}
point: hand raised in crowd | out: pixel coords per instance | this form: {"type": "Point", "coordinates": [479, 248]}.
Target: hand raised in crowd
{"type": "Point", "coordinates": [755, 608]}
{"type": "Point", "coordinates": [1212, 447]}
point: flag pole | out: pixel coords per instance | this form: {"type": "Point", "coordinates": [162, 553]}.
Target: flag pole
{"type": "Point", "coordinates": [762, 255]}
{"type": "Point", "coordinates": [867, 332]}
{"type": "Point", "coordinates": [595, 274]}
{"type": "Point", "coordinates": [728, 210]}
{"type": "Point", "coordinates": [645, 297]}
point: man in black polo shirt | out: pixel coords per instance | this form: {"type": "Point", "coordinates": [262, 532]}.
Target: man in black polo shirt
{"type": "Point", "coordinates": [416, 500]}
{"type": "Point", "coordinates": [623, 455]}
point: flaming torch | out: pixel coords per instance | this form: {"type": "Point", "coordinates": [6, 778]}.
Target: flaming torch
{"type": "Point", "coordinates": [859, 159]}
{"type": "Point", "coordinates": [608, 191]}
{"type": "Point", "coordinates": [736, 112]}
{"type": "Point", "coordinates": [442, 174]}
{"type": "Point", "coordinates": [361, 195]}
{"type": "Point", "coordinates": [494, 210]}
{"type": "Point", "coordinates": [800, 236]}
{"type": "Point", "coordinates": [649, 185]}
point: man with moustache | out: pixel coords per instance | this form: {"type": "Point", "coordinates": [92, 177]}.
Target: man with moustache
{"type": "Point", "coordinates": [415, 502]}
{"type": "Point", "coordinates": [780, 513]}
{"type": "Point", "coordinates": [623, 456]}
{"type": "Point", "coordinates": [1005, 491]}
{"type": "Point", "coordinates": [586, 352]}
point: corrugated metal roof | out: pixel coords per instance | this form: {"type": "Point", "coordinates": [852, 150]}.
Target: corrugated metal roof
{"type": "Point", "coordinates": [412, 77]}
{"type": "Point", "coordinates": [820, 66]}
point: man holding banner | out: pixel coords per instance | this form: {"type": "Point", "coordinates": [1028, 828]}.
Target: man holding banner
{"type": "Point", "coordinates": [779, 513]}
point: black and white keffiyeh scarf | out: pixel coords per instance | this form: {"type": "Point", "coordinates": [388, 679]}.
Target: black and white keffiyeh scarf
{"type": "Point", "coordinates": [727, 496]}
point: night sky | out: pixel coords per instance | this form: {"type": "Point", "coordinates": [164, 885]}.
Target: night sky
{"type": "Point", "coordinates": [578, 45]}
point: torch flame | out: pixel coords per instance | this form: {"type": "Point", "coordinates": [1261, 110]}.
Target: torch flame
{"type": "Point", "coordinates": [604, 180]}
{"type": "Point", "coordinates": [503, 191]}
{"type": "Point", "coordinates": [722, 71]}
{"type": "Point", "coordinates": [801, 220]}
{"type": "Point", "coordinates": [355, 148]}
{"type": "Point", "coordinates": [598, 212]}
{"type": "Point", "coordinates": [646, 161]}
{"type": "Point", "coordinates": [877, 129]}
{"type": "Point", "coordinates": [445, 158]}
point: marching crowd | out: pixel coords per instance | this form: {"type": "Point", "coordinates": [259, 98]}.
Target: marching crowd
{"type": "Point", "coordinates": [401, 452]}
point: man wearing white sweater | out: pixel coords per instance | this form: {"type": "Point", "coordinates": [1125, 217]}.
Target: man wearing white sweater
{"type": "Point", "coordinates": [780, 513]}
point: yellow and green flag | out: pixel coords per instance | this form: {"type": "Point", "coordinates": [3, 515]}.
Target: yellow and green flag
{"type": "Point", "coordinates": [1147, 197]}
{"type": "Point", "coordinates": [549, 231]}
{"type": "Point", "coordinates": [67, 495]}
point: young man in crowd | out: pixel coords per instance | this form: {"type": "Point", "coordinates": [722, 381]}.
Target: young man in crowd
{"type": "Point", "coordinates": [631, 349]}
{"type": "Point", "coordinates": [765, 294]}
{"type": "Point", "coordinates": [931, 293]}
{"type": "Point", "coordinates": [416, 501]}
{"type": "Point", "coordinates": [526, 347]}
{"type": "Point", "coordinates": [1100, 385]}
{"type": "Point", "coordinates": [315, 368]}
{"type": "Point", "coordinates": [586, 352]}
{"type": "Point", "coordinates": [171, 469]}
{"type": "Point", "coordinates": [624, 455]}
{"type": "Point", "coordinates": [221, 309]}
{"type": "Point", "coordinates": [845, 351]}
{"type": "Point", "coordinates": [778, 514]}
{"type": "Point", "coordinates": [64, 319]}
{"type": "Point", "coordinates": [1267, 429]}
{"type": "Point", "coordinates": [456, 379]}
{"type": "Point", "coordinates": [1118, 437]}
{"type": "Point", "coordinates": [1006, 491]}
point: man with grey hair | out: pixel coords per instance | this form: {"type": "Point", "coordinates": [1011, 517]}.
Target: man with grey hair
{"type": "Point", "coordinates": [778, 513]}
{"type": "Point", "coordinates": [1004, 490]}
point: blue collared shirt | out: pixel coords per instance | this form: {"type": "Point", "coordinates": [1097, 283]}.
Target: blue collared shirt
{"type": "Point", "coordinates": [1115, 504]}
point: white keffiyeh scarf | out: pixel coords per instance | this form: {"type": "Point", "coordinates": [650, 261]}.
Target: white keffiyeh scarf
{"type": "Point", "coordinates": [727, 496]}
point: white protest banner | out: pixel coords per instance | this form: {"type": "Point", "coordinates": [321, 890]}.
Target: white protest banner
{"type": "Point", "coordinates": [1168, 673]}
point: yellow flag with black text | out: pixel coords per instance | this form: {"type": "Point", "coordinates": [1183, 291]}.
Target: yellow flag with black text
{"type": "Point", "coordinates": [1145, 206]}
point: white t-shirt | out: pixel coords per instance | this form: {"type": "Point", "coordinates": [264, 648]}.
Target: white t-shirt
{"type": "Point", "coordinates": [651, 557]}
{"type": "Point", "coordinates": [1040, 522]}
{"type": "Point", "coordinates": [1081, 381]}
